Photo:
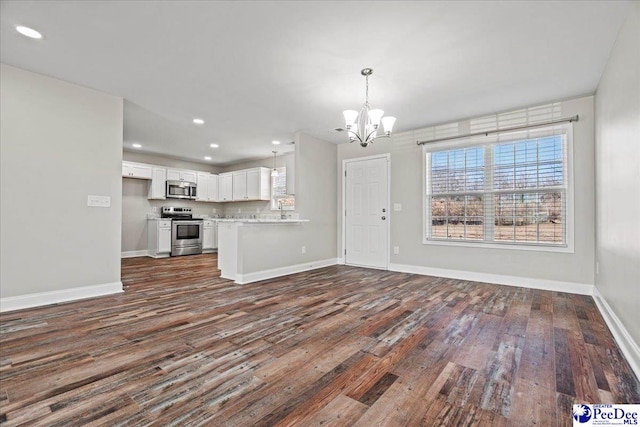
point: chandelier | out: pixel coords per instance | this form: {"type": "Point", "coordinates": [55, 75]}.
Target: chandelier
{"type": "Point", "coordinates": [363, 126]}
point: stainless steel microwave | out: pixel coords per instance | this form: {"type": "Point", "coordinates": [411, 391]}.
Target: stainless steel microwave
{"type": "Point", "coordinates": [181, 190]}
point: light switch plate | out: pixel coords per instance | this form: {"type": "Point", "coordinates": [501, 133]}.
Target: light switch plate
{"type": "Point", "coordinates": [397, 207]}
{"type": "Point", "coordinates": [99, 201]}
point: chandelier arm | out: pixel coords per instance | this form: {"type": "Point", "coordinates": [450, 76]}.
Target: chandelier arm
{"type": "Point", "coordinates": [354, 134]}
{"type": "Point", "coordinates": [368, 138]}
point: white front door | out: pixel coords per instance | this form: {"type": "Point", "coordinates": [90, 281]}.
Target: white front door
{"type": "Point", "coordinates": [367, 213]}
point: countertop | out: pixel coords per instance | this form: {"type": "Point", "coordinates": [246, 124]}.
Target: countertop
{"type": "Point", "coordinates": [259, 220]}
{"type": "Point", "coordinates": [150, 217]}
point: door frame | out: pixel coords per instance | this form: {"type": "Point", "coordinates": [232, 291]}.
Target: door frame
{"type": "Point", "coordinates": [343, 213]}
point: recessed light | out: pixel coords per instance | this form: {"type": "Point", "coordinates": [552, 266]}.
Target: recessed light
{"type": "Point", "coordinates": [136, 145]}
{"type": "Point", "coordinates": [207, 158]}
{"type": "Point", "coordinates": [275, 142]}
{"type": "Point", "coordinates": [214, 145]}
{"type": "Point", "coordinates": [29, 32]}
{"type": "Point", "coordinates": [198, 121]}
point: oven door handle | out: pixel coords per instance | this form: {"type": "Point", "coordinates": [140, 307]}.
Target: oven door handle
{"type": "Point", "coordinates": [186, 222]}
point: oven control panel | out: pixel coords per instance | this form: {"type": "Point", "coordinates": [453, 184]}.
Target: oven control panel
{"type": "Point", "coordinates": [175, 210]}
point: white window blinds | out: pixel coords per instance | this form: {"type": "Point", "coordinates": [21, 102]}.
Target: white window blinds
{"type": "Point", "coordinates": [508, 188]}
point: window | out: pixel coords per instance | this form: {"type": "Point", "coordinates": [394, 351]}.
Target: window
{"type": "Point", "coordinates": [512, 190]}
{"type": "Point", "coordinates": [279, 196]}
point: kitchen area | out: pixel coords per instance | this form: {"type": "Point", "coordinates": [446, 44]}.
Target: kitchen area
{"type": "Point", "coordinates": [176, 208]}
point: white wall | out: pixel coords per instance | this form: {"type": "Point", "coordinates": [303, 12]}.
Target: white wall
{"type": "Point", "coordinates": [59, 143]}
{"type": "Point", "coordinates": [573, 271]}
{"type": "Point", "coordinates": [618, 178]}
{"type": "Point", "coordinates": [136, 206]}
{"type": "Point", "coordinates": [316, 181]}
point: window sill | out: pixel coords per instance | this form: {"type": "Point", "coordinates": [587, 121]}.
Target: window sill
{"type": "Point", "coordinates": [503, 246]}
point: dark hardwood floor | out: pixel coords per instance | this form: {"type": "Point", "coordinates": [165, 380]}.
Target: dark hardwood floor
{"type": "Point", "coordinates": [337, 346]}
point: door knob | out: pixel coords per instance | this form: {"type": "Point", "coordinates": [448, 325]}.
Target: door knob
{"type": "Point", "coordinates": [384, 217]}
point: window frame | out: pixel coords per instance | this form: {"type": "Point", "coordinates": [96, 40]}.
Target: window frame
{"type": "Point", "coordinates": [566, 129]}
{"type": "Point", "coordinates": [272, 202]}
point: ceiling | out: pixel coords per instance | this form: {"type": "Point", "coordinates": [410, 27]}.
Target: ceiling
{"type": "Point", "coordinates": [258, 71]}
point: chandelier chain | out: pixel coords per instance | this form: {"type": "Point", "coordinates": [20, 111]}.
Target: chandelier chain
{"type": "Point", "coordinates": [366, 94]}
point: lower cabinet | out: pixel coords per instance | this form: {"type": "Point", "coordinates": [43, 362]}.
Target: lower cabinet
{"type": "Point", "coordinates": [159, 238]}
{"type": "Point", "coordinates": [210, 235]}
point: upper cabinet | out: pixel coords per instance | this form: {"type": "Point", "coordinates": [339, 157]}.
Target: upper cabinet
{"type": "Point", "coordinates": [136, 170]}
{"type": "Point", "coordinates": [239, 186]}
{"type": "Point", "coordinates": [242, 185]}
{"type": "Point", "coordinates": [251, 184]}
{"type": "Point", "coordinates": [225, 187]}
{"type": "Point", "coordinates": [157, 189]}
{"type": "Point", "coordinates": [156, 174]}
{"type": "Point", "coordinates": [181, 175]}
{"type": "Point", "coordinates": [207, 190]}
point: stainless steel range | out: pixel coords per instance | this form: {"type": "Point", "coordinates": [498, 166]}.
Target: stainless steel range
{"type": "Point", "coordinates": [186, 232]}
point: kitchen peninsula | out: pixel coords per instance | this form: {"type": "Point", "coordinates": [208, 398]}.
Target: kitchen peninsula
{"type": "Point", "coordinates": [250, 250]}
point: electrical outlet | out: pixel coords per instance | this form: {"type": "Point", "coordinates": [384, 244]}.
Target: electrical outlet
{"type": "Point", "coordinates": [239, 210]}
{"type": "Point", "coordinates": [304, 250]}
{"type": "Point", "coordinates": [213, 210]}
{"type": "Point", "coordinates": [397, 207]}
{"type": "Point", "coordinates": [396, 250]}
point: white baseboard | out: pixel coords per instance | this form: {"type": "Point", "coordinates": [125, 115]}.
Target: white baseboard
{"type": "Point", "coordinates": [242, 279]}
{"type": "Point", "coordinates": [134, 254]}
{"type": "Point", "coordinates": [627, 344]}
{"type": "Point", "coordinates": [54, 297]}
{"type": "Point", "coordinates": [498, 279]}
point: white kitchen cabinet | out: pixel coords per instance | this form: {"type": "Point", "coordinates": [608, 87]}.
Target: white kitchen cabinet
{"type": "Point", "coordinates": [136, 170]}
{"type": "Point", "coordinates": [181, 175]}
{"type": "Point", "coordinates": [240, 185]}
{"type": "Point", "coordinates": [209, 235]}
{"type": "Point", "coordinates": [207, 190]}
{"type": "Point", "coordinates": [252, 184]}
{"type": "Point", "coordinates": [159, 238]}
{"type": "Point", "coordinates": [157, 189]}
{"type": "Point", "coordinates": [225, 187]}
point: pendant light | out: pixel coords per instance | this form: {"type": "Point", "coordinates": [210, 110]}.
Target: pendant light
{"type": "Point", "coordinates": [363, 126]}
{"type": "Point", "coordinates": [274, 171]}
